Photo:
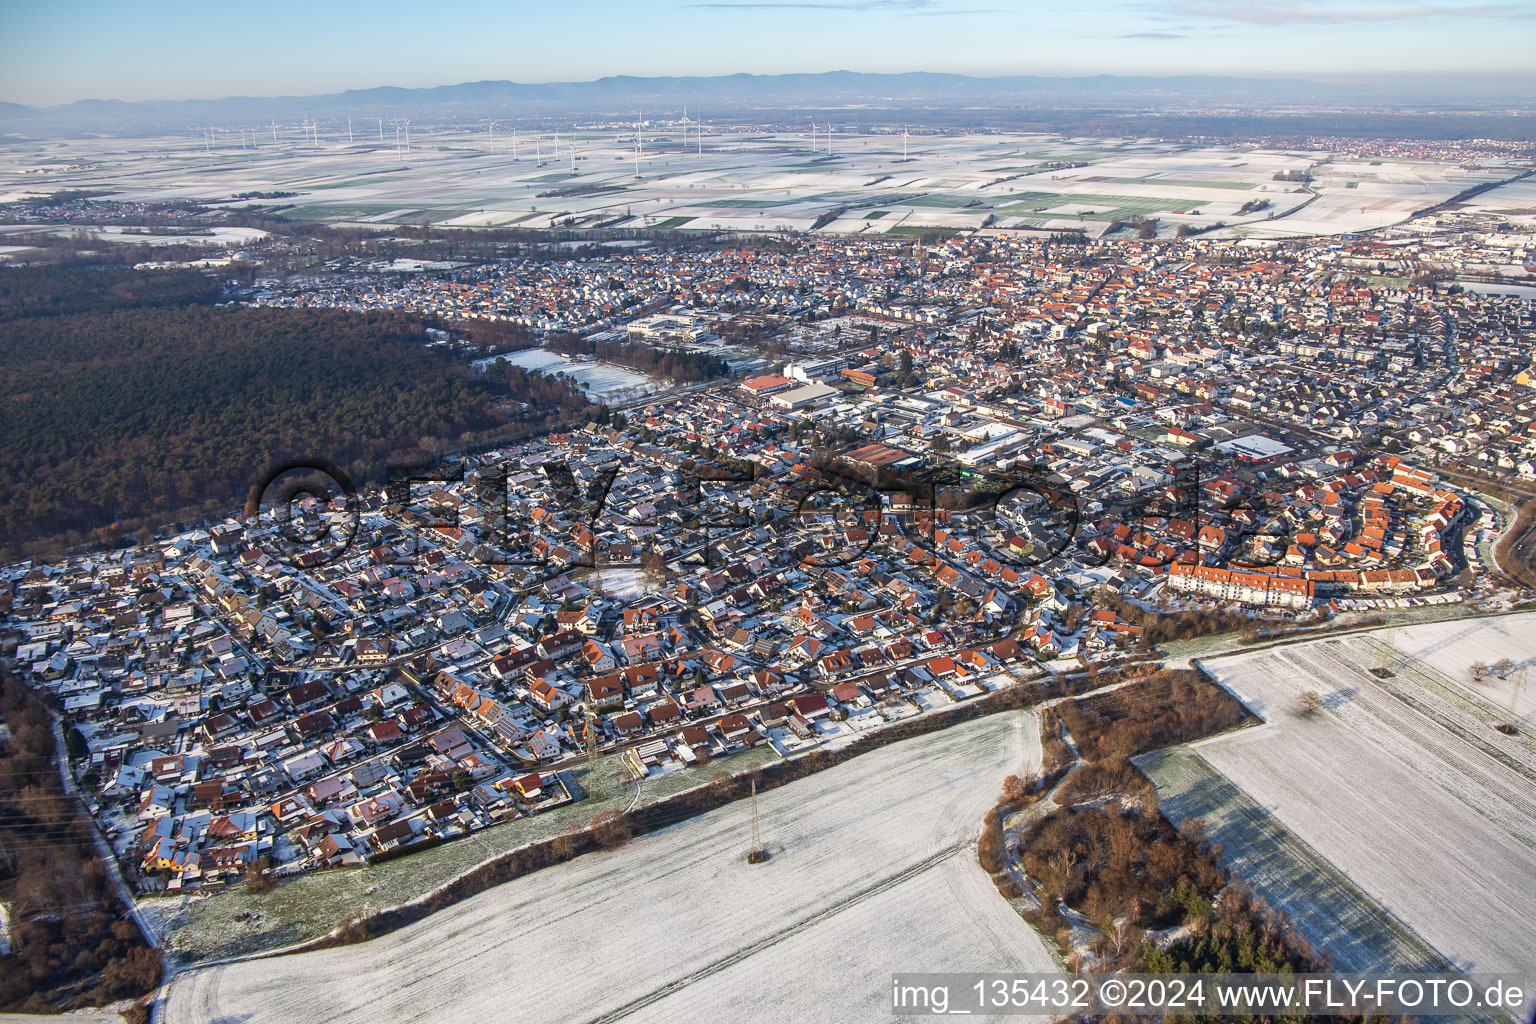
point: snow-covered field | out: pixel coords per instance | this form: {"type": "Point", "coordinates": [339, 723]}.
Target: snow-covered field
{"type": "Point", "coordinates": [600, 378]}
{"type": "Point", "coordinates": [1525, 291]}
{"type": "Point", "coordinates": [101, 1016]}
{"type": "Point", "coordinates": [1329, 910]}
{"type": "Point", "coordinates": [1514, 200]}
{"type": "Point", "coordinates": [1450, 648]}
{"type": "Point", "coordinates": [872, 871]}
{"type": "Point", "coordinates": [747, 180]}
{"type": "Point", "coordinates": [1396, 783]}
{"type": "Point", "coordinates": [203, 236]}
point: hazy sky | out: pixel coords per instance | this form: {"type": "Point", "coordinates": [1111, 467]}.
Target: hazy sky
{"type": "Point", "coordinates": [62, 50]}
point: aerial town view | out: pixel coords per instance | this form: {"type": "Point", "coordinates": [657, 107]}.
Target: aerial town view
{"type": "Point", "coordinates": [807, 512]}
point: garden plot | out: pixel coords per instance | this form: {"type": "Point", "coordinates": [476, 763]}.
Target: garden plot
{"type": "Point", "coordinates": [872, 870]}
{"type": "Point", "coordinates": [624, 584]}
{"type": "Point", "coordinates": [1430, 812]}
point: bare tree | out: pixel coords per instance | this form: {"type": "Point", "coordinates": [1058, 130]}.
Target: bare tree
{"type": "Point", "coordinates": [1309, 701]}
{"type": "Point", "coordinates": [1061, 863]}
{"type": "Point", "coordinates": [1477, 671]}
{"type": "Point", "coordinates": [610, 829]}
{"type": "Point", "coordinates": [1124, 937]}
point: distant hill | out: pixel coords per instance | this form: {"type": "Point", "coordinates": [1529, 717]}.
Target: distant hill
{"type": "Point", "coordinates": [725, 95]}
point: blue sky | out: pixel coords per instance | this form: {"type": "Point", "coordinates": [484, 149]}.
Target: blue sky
{"type": "Point", "coordinates": [63, 50]}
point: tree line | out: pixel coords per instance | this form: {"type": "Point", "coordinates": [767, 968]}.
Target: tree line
{"type": "Point", "coordinates": [122, 405]}
{"type": "Point", "coordinates": [72, 941]}
{"type": "Point", "coordinates": [1106, 852]}
{"type": "Point", "coordinates": [677, 365]}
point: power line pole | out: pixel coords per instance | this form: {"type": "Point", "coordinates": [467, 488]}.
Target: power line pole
{"type": "Point", "coordinates": [757, 834]}
{"type": "Point", "coordinates": [593, 786]}
{"type": "Point", "coordinates": [1514, 699]}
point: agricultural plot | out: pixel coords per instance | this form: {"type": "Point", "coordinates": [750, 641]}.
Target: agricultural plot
{"type": "Point", "coordinates": [1329, 910]}
{"type": "Point", "coordinates": [452, 176]}
{"type": "Point", "coordinates": [1391, 789]}
{"type": "Point", "coordinates": [1517, 199]}
{"type": "Point", "coordinates": [1355, 195]}
{"type": "Point", "coordinates": [1449, 650]}
{"type": "Point", "coordinates": [870, 862]}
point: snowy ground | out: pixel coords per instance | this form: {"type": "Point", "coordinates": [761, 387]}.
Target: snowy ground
{"type": "Point", "coordinates": [747, 180]}
{"type": "Point", "coordinates": [623, 584]}
{"type": "Point", "coordinates": [600, 378]}
{"type": "Point", "coordinates": [1525, 291]}
{"type": "Point", "coordinates": [872, 871]}
{"type": "Point", "coordinates": [1396, 783]}
{"type": "Point", "coordinates": [1329, 910]}
{"type": "Point", "coordinates": [101, 1016]}
{"type": "Point", "coordinates": [202, 236]}
{"type": "Point", "coordinates": [197, 928]}
{"type": "Point", "coordinates": [1450, 648]}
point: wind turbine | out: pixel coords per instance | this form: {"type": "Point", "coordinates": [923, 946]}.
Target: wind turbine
{"type": "Point", "coordinates": [903, 143]}
{"type": "Point", "coordinates": [829, 138]}
{"type": "Point", "coordinates": [813, 134]}
{"type": "Point", "coordinates": [349, 131]}
{"type": "Point", "coordinates": [407, 135]}
{"type": "Point", "coordinates": [514, 143]}
{"type": "Point", "coordinates": [381, 130]}
{"type": "Point", "coordinates": [274, 130]}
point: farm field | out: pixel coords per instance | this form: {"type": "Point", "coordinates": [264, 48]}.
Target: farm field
{"type": "Point", "coordinates": [1329, 910]}
{"type": "Point", "coordinates": [870, 862]}
{"type": "Point", "coordinates": [745, 180]}
{"type": "Point", "coordinates": [1449, 649]}
{"type": "Point", "coordinates": [1396, 793]}
{"type": "Point", "coordinates": [1516, 201]}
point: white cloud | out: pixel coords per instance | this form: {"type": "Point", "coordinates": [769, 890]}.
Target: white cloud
{"type": "Point", "coordinates": [1256, 12]}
